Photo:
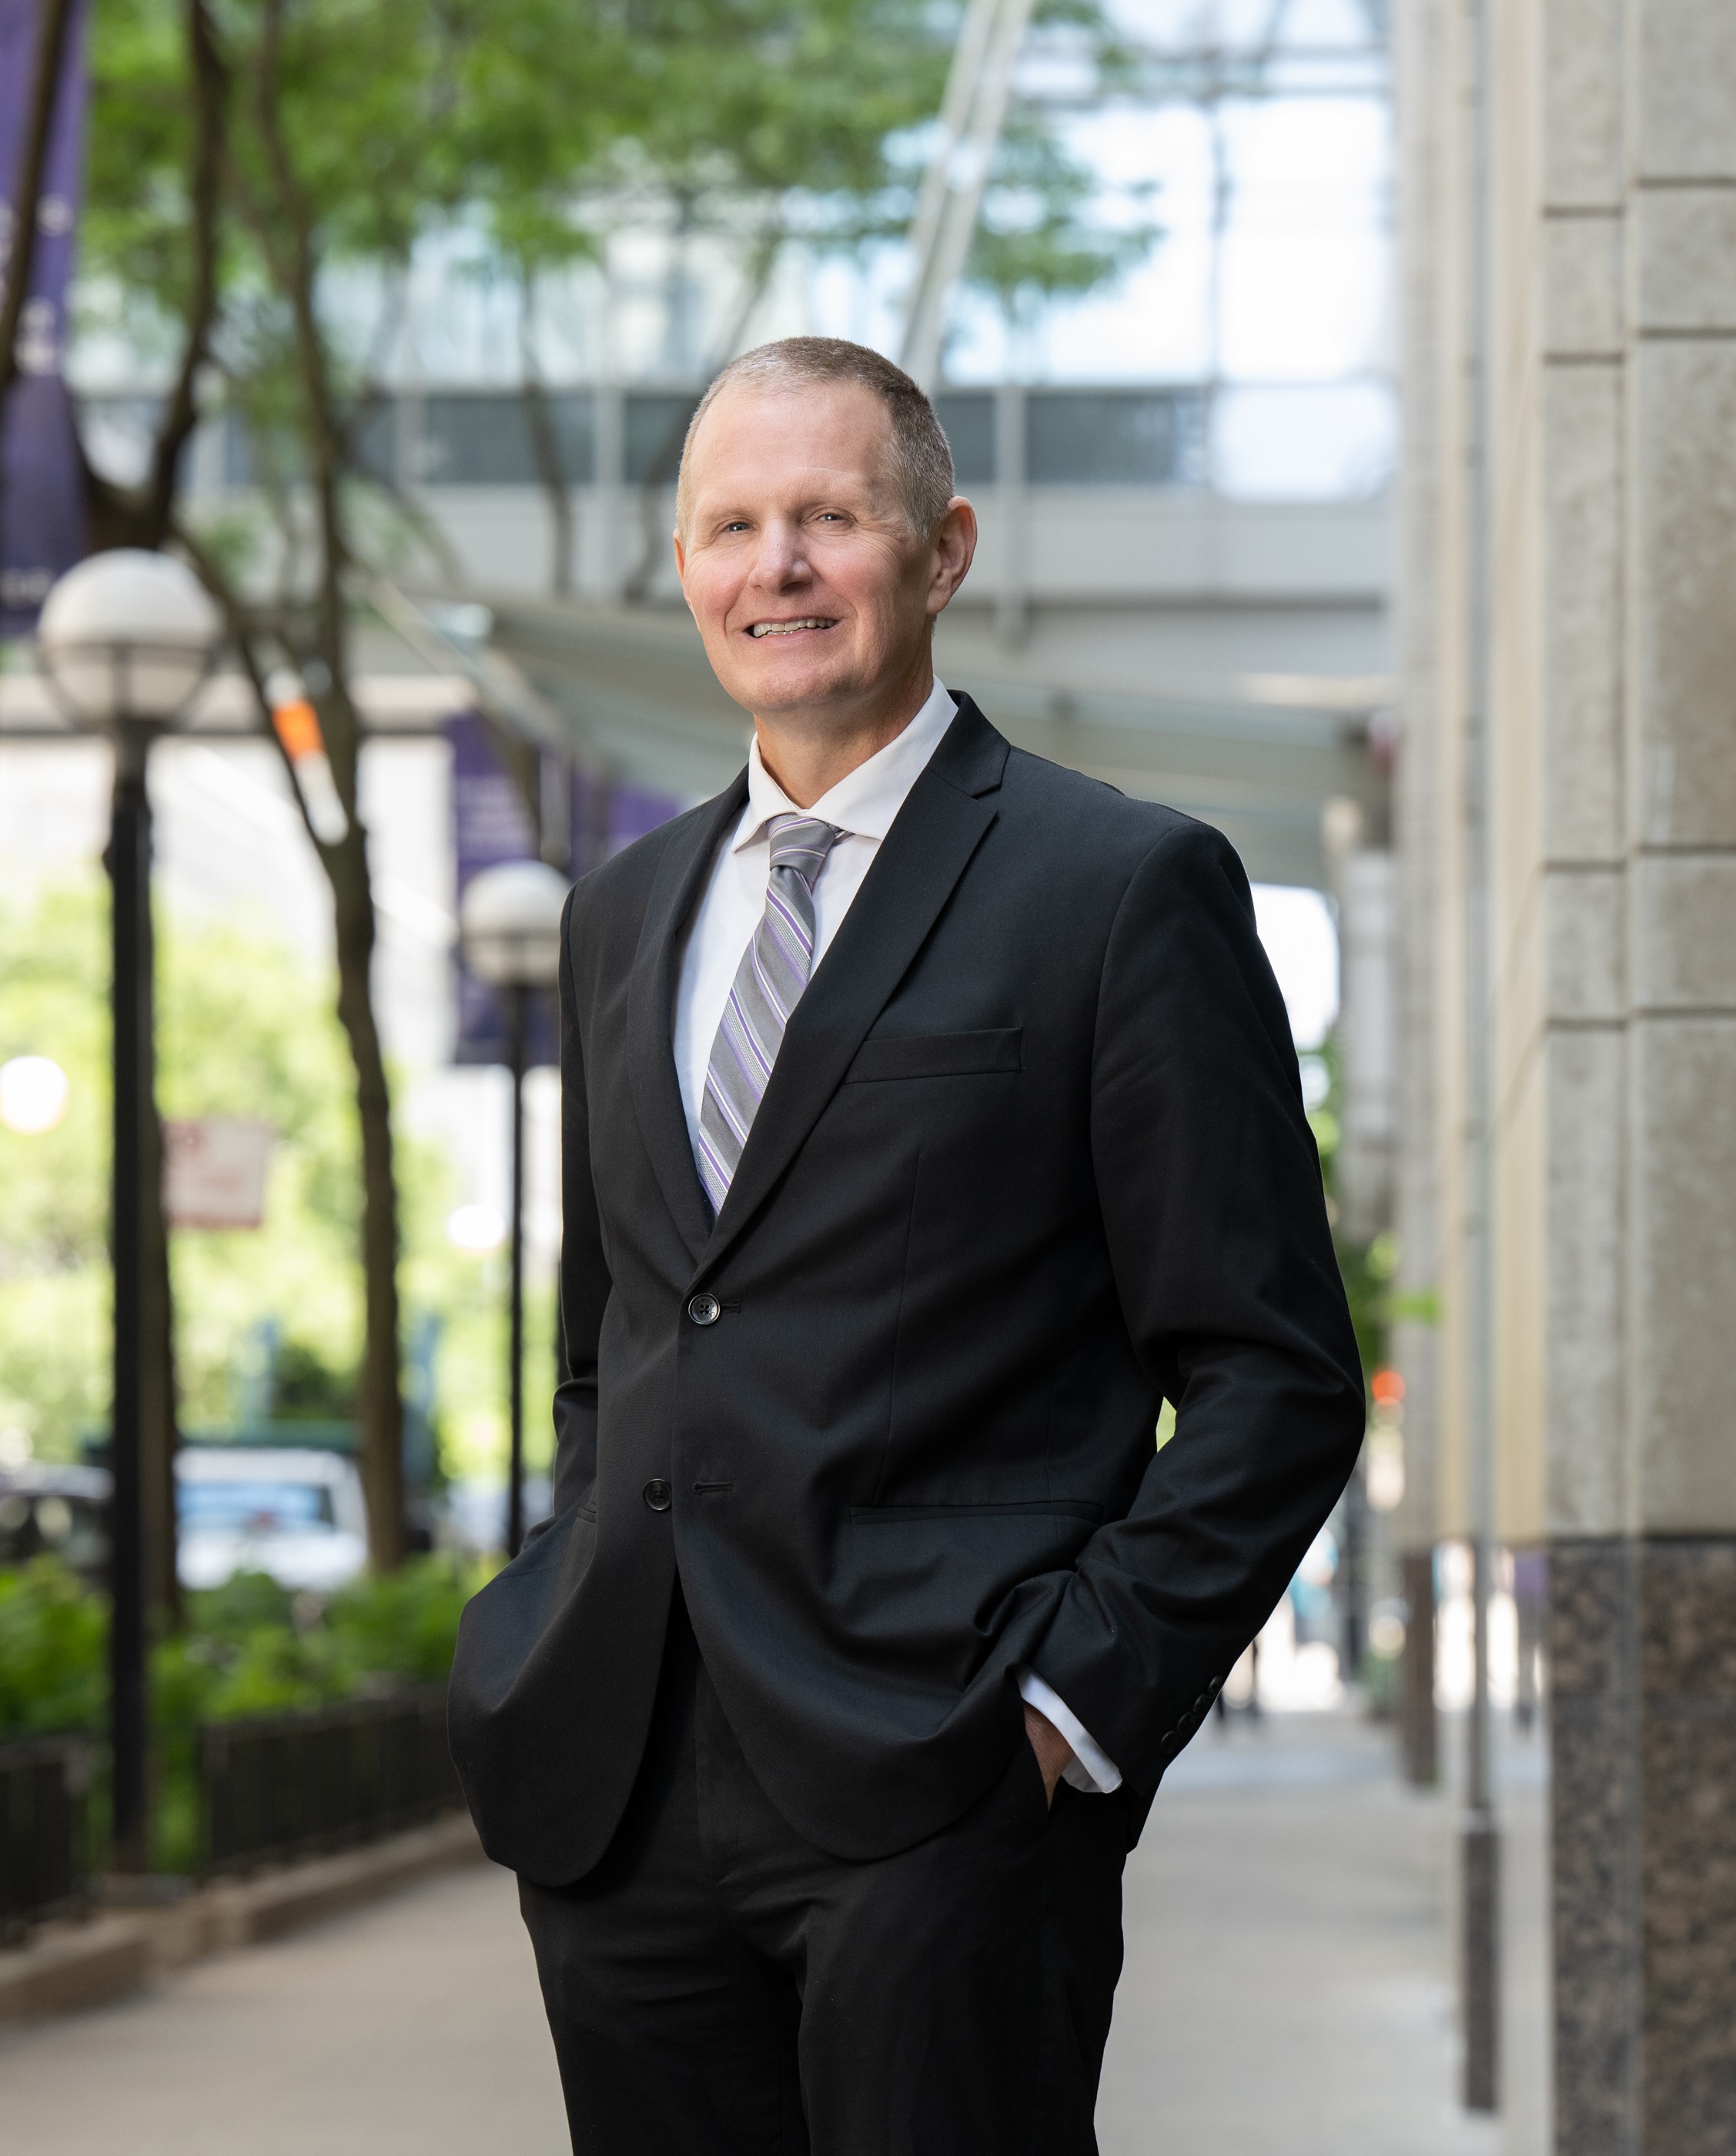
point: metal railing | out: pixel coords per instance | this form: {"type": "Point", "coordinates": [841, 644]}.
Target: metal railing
{"type": "Point", "coordinates": [45, 1831]}
{"type": "Point", "coordinates": [277, 1786]}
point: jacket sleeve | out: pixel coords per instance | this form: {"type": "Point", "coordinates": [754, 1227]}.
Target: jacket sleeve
{"type": "Point", "coordinates": [585, 1283]}
{"type": "Point", "coordinates": [1209, 1185]}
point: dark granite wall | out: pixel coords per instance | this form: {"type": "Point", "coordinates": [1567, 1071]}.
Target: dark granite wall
{"type": "Point", "coordinates": [1642, 1652]}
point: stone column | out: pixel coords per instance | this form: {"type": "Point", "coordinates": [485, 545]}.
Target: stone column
{"type": "Point", "coordinates": [1653, 1610]}
{"type": "Point", "coordinates": [1612, 583]}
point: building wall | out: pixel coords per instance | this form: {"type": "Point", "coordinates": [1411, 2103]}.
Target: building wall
{"type": "Point", "coordinates": [1611, 539]}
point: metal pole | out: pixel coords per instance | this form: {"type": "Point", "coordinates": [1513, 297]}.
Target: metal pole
{"type": "Point", "coordinates": [128, 863]}
{"type": "Point", "coordinates": [1356, 1566]}
{"type": "Point", "coordinates": [1480, 1846]}
{"type": "Point", "coordinates": [519, 1000]}
{"type": "Point", "coordinates": [973, 112]}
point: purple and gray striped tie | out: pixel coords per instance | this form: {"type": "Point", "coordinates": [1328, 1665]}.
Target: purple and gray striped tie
{"type": "Point", "coordinates": [768, 981]}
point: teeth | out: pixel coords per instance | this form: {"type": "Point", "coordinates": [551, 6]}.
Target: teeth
{"type": "Point", "coordinates": [785, 628]}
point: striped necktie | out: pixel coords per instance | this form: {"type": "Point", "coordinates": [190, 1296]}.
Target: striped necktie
{"type": "Point", "coordinates": [768, 985]}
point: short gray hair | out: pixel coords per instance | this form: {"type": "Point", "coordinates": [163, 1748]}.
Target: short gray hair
{"type": "Point", "coordinates": [921, 459]}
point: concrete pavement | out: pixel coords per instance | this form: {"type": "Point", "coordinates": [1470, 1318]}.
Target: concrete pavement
{"type": "Point", "coordinates": [413, 2028]}
{"type": "Point", "coordinates": [1286, 1993]}
{"type": "Point", "coordinates": [1287, 1985]}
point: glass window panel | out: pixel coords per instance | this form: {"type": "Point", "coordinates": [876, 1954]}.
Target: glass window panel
{"type": "Point", "coordinates": [575, 417]}
{"type": "Point", "coordinates": [1305, 445]}
{"type": "Point", "coordinates": [373, 440]}
{"type": "Point", "coordinates": [967, 419]}
{"type": "Point", "coordinates": [1115, 438]}
{"type": "Point", "coordinates": [481, 438]}
{"type": "Point", "coordinates": [476, 441]}
{"type": "Point", "coordinates": [656, 428]}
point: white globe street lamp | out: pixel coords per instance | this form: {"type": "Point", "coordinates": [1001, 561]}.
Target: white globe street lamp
{"type": "Point", "coordinates": [510, 924]}
{"type": "Point", "coordinates": [124, 639]}
{"type": "Point", "coordinates": [509, 937]}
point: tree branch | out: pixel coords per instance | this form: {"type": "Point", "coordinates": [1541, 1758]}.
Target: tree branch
{"type": "Point", "coordinates": [297, 272]}
{"type": "Point", "coordinates": [242, 636]}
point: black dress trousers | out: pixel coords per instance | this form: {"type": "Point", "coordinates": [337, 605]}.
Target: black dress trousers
{"type": "Point", "coordinates": [719, 1986]}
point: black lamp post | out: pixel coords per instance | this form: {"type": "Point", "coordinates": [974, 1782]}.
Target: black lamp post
{"type": "Point", "coordinates": [510, 930]}
{"type": "Point", "coordinates": [125, 638]}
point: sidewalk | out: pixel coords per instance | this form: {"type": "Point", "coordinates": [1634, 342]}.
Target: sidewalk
{"type": "Point", "coordinates": [1287, 1989]}
{"type": "Point", "coordinates": [412, 2028]}
{"type": "Point", "coordinates": [1286, 1993]}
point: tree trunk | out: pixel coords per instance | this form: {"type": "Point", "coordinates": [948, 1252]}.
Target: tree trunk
{"type": "Point", "coordinates": [286, 230]}
{"type": "Point", "coordinates": [379, 1397]}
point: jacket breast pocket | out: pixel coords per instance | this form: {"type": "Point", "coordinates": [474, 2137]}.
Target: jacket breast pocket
{"type": "Point", "coordinates": [937, 1056]}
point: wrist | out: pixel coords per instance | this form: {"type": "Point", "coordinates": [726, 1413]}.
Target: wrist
{"type": "Point", "coordinates": [1053, 1752]}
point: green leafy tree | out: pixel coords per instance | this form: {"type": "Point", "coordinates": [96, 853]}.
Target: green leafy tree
{"type": "Point", "coordinates": [246, 1027]}
{"type": "Point", "coordinates": [52, 1642]}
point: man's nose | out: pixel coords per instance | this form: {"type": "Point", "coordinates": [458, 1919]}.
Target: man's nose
{"type": "Point", "coordinates": [782, 559]}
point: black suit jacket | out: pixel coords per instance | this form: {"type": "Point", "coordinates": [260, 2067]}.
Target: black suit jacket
{"type": "Point", "coordinates": [1033, 1157]}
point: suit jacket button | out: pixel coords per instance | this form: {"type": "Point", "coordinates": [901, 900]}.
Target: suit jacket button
{"type": "Point", "coordinates": [704, 1310]}
{"type": "Point", "coordinates": [658, 1494]}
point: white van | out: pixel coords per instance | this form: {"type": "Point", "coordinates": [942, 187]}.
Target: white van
{"type": "Point", "coordinates": [295, 1513]}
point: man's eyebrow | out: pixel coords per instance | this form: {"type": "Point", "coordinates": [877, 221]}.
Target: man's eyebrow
{"type": "Point", "coordinates": [847, 494]}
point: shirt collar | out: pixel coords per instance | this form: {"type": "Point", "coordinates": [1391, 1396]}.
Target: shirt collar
{"type": "Point", "coordinates": [864, 801]}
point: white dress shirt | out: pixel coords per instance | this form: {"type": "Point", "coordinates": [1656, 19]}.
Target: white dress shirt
{"type": "Point", "coordinates": [862, 805]}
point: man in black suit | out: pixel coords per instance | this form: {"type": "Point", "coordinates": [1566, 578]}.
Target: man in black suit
{"type": "Point", "coordinates": [930, 1116]}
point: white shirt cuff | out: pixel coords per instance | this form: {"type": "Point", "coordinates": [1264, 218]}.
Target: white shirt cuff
{"type": "Point", "coordinates": [1090, 1768]}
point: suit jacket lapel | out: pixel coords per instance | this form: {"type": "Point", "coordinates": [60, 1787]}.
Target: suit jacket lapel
{"type": "Point", "coordinates": [651, 1012]}
{"type": "Point", "coordinates": [932, 838]}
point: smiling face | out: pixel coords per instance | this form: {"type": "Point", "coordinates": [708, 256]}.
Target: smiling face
{"type": "Point", "coordinates": [815, 597]}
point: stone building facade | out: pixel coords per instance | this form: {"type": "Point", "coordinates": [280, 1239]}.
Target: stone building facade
{"type": "Point", "coordinates": [1584, 319]}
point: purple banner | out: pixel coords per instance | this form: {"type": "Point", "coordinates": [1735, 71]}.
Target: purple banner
{"type": "Point", "coordinates": [42, 504]}
{"type": "Point", "coordinates": [491, 823]}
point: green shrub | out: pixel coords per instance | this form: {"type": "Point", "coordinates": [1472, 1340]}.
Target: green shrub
{"type": "Point", "coordinates": [53, 1644]}
{"type": "Point", "coordinates": [242, 1604]}
{"type": "Point", "coordinates": [403, 1625]}
{"type": "Point", "coordinates": [252, 1647]}
{"type": "Point", "coordinates": [275, 1669]}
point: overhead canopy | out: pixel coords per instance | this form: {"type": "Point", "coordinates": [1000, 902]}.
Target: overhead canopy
{"type": "Point", "coordinates": [634, 686]}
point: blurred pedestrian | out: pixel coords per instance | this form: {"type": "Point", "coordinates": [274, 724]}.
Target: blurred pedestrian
{"type": "Point", "coordinates": [930, 1116]}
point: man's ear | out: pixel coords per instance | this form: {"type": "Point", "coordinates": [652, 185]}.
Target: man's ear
{"type": "Point", "coordinates": [954, 546]}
